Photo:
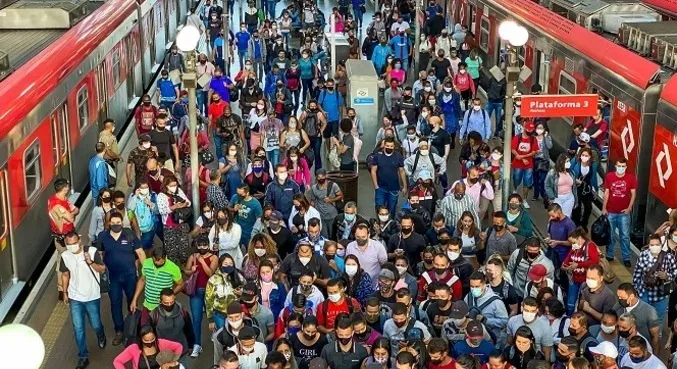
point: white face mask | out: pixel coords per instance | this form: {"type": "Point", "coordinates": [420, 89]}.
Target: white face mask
{"type": "Point", "coordinates": [208, 215]}
{"type": "Point", "coordinates": [655, 249]}
{"type": "Point", "coordinates": [496, 156]}
{"type": "Point", "coordinates": [351, 270]}
{"type": "Point", "coordinates": [476, 107]}
{"type": "Point", "coordinates": [453, 255]}
{"type": "Point", "coordinates": [427, 89]}
{"type": "Point", "coordinates": [259, 106]}
{"type": "Point", "coordinates": [236, 324]}
{"type": "Point", "coordinates": [401, 270]}
{"type": "Point", "coordinates": [567, 165]}
{"type": "Point", "coordinates": [447, 89]}
{"type": "Point", "coordinates": [621, 170]}
{"type": "Point", "coordinates": [592, 283]}
{"type": "Point", "coordinates": [608, 329]}
{"type": "Point", "coordinates": [424, 114]}
{"type": "Point", "coordinates": [146, 145]}
{"type": "Point", "coordinates": [304, 260]}
{"type": "Point", "coordinates": [539, 131]}
{"type": "Point", "coordinates": [334, 297]}
{"type": "Point", "coordinates": [383, 218]}
{"type": "Point", "coordinates": [287, 355]}
{"type": "Point", "coordinates": [144, 191]}
{"type": "Point", "coordinates": [73, 248]}
{"type": "Point", "coordinates": [431, 102]}
{"type": "Point", "coordinates": [260, 252]}
{"type": "Point", "coordinates": [528, 316]}
{"type": "Point", "coordinates": [585, 159]}
{"type": "Point", "coordinates": [425, 152]}
{"type": "Point", "coordinates": [292, 125]}
{"type": "Point", "coordinates": [576, 246]}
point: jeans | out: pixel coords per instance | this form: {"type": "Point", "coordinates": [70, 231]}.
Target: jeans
{"type": "Point", "coordinates": [219, 320]}
{"type": "Point", "coordinates": [78, 311]}
{"type": "Point", "coordinates": [307, 84]}
{"type": "Point", "coordinates": [387, 198]}
{"type": "Point", "coordinates": [357, 13]}
{"type": "Point", "coordinates": [118, 284]}
{"type": "Point", "coordinates": [197, 304]}
{"type": "Point", "coordinates": [274, 156]}
{"type": "Point", "coordinates": [572, 296]}
{"type": "Point", "coordinates": [270, 5]}
{"type": "Point", "coordinates": [661, 306]}
{"type": "Point", "coordinates": [218, 146]}
{"type": "Point", "coordinates": [316, 144]}
{"type": "Point", "coordinates": [258, 67]}
{"type": "Point", "coordinates": [331, 129]}
{"type": "Point", "coordinates": [498, 109]}
{"type": "Point", "coordinates": [539, 183]}
{"type": "Point", "coordinates": [297, 101]}
{"type": "Point", "coordinates": [242, 55]}
{"type": "Point", "coordinates": [202, 102]}
{"type": "Point", "coordinates": [147, 240]}
{"type": "Point", "coordinates": [620, 232]}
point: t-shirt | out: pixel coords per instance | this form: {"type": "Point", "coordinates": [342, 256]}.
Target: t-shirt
{"type": "Point", "coordinates": [388, 167]}
{"type": "Point", "coordinates": [651, 363]}
{"type": "Point", "coordinates": [347, 156]}
{"type": "Point", "coordinates": [163, 141]}
{"type": "Point", "coordinates": [304, 354]}
{"type": "Point", "coordinates": [119, 255]}
{"type": "Point", "coordinates": [82, 285]}
{"type": "Point", "coordinates": [327, 211]}
{"type": "Point", "coordinates": [481, 352]}
{"type": "Point", "coordinates": [524, 145]}
{"type": "Point", "coordinates": [503, 245]}
{"type": "Point", "coordinates": [441, 68]}
{"type": "Point", "coordinates": [336, 358]}
{"type": "Point", "coordinates": [293, 268]}
{"type": "Point", "coordinates": [413, 246]}
{"type": "Point", "coordinates": [602, 301]}
{"type": "Point", "coordinates": [265, 319]}
{"type": "Point", "coordinates": [510, 298]}
{"type": "Point", "coordinates": [250, 211]}
{"type": "Point", "coordinates": [158, 279]}
{"type": "Point", "coordinates": [559, 230]}
{"type": "Point", "coordinates": [437, 317]}
{"type": "Point", "coordinates": [619, 191]}
{"type": "Point", "coordinates": [592, 127]}
{"type": "Point", "coordinates": [539, 327]}
{"type": "Point", "coordinates": [328, 319]}
{"type": "Point", "coordinates": [440, 139]}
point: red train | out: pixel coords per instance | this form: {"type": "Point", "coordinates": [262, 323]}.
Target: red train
{"type": "Point", "coordinates": [51, 109]}
{"type": "Point", "coordinates": [565, 58]}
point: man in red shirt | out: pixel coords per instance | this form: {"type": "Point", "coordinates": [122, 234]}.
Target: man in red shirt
{"type": "Point", "coordinates": [144, 116]}
{"type": "Point", "coordinates": [619, 198]}
{"type": "Point", "coordinates": [215, 109]}
{"type": "Point", "coordinates": [524, 148]}
{"type": "Point", "coordinates": [336, 302]}
{"type": "Point", "coordinates": [438, 349]}
{"type": "Point", "coordinates": [443, 274]}
{"type": "Point", "coordinates": [598, 129]}
{"type": "Point", "coordinates": [61, 221]}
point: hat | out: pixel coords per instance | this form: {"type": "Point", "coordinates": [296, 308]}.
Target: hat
{"type": "Point", "coordinates": [318, 363]}
{"type": "Point", "coordinates": [474, 329]}
{"type": "Point", "coordinates": [423, 143]}
{"type": "Point", "coordinates": [459, 309]}
{"type": "Point", "coordinates": [234, 308]}
{"type": "Point", "coordinates": [605, 348]}
{"type": "Point", "coordinates": [321, 172]}
{"type": "Point", "coordinates": [247, 333]}
{"type": "Point", "coordinates": [275, 215]}
{"type": "Point", "coordinates": [165, 357]}
{"type": "Point", "coordinates": [144, 138]}
{"type": "Point", "coordinates": [537, 272]}
{"type": "Point", "coordinates": [413, 334]}
{"type": "Point", "coordinates": [387, 274]}
{"type": "Point", "coordinates": [584, 137]}
{"type": "Point", "coordinates": [425, 175]}
{"type": "Point", "coordinates": [529, 126]}
{"type": "Point", "coordinates": [249, 292]}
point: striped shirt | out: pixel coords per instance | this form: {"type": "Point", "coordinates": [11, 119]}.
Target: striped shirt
{"type": "Point", "coordinates": [158, 279]}
{"type": "Point", "coordinates": [453, 209]}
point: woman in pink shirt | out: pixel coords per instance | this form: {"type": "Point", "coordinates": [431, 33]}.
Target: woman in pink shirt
{"type": "Point", "coordinates": [559, 185]}
{"type": "Point", "coordinates": [298, 168]}
{"type": "Point", "coordinates": [145, 350]}
{"type": "Point", "coordinates": [339, 22]}
{"type": "Point", "coordinates": [397, 72]}
{"type": "Point", "coordinates": [463, 81]}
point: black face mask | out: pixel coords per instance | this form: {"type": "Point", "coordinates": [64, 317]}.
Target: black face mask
{"type": "Point", "coordinates": [222, 221]}
{"type": "Point", "coordinates": [346, 340]}
{"type": "Point", "coordinates": [624, 334]}
{"type": "Point", "coordinates": [149, 344]}
{"type": "Point", "coordinates": [406, 230]}
{"type": "Point", "coordinates": [436, 361]}
{"type": "Point", "coordinates": [308, 337]}
{"type": "Point", "coordinates": [440, 271]}
{"type": "Point", "coordinates": [459, 196]}
{"type": "Point", "coordinates": [428, 261]}
{"type": "Point", "coordinates": [146, 103]}
{"type": "Point", "coordinates": [105, 200]}
{"type": "Point", "coordinates": [116, 228]}
{"type": "Point", "coordinates": [249, 305]}
{"type": "Point", "coordinates": [498, 227]}
{"type": "Point", "coordinates": [159, 265]}
{"type": "Point", "coordinates": [363, 335]}
{"type": "Point", "coordinates": [168, 308]}
{"type": "Point", "coordinates": [203, 251]}
{"type": "Point", "coordinates": [623, 303]}
{"type": "Point", "coordinates": [443, 242]}
{"type": "Point", "coordinates": [532, 255]}
{"type": "Point", "coordinates": [572, 332]}
{"type": "Point", "coordinates": [388, 151]}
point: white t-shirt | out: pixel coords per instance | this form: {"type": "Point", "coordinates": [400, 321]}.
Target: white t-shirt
{"type": "Point", "coordinates": [82, 285]}
{"type": "Point", "coordinates": [254, 360]}
{"type": "Point", "coordinates": [651, 363]}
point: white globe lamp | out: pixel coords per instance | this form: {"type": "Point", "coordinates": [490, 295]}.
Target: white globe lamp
{"type": "Point", "coordinates": [519, 36]}
{"type": "Point", "coordinates": [187, 38]}
{"type": "Point", "coordinates": [21, 347]}
{"type": "Point", "coordinates": [506, 28]}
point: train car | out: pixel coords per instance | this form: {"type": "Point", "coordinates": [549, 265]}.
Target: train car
{"type": "Point", "coordinates": [662, 196]}
{"type": "Point", "coordinates": [667, 8]}
{"type": "Point", "coordinates": [565, 58]}
{"type": "Point", "coordinates": [51, 110]}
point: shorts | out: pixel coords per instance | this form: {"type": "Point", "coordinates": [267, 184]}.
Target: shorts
{"type": "Point", "coordinates": [523, 176]}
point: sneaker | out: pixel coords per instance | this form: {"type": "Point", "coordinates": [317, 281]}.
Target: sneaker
{"type": "Point", "coordinates": [627, 264]}
{"type": "Point", "coordinates": [610, 258]}
{"type": "Point", "coordinates": [102, 341]}
{"type": "Point", "coordinates": [525, 204]}
{"type": "Point", "coordinates": [197, 349]}
{"type": "Point", "coordinates": [117, 340]}
{"type": "Point", "coordinates": [82, 363]}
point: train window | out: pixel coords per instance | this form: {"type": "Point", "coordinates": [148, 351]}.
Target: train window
{"type": "Point", "coordinates": [83, 107]}
{"type": "Point", "coordinates": [116, 68]}
{"type": "Point", "coordinates": [32, 170]}
{"type": "Point", "coordinates": [484, 33]}
{"type": "Point", "coordinates": [63, 129]}
{"type": "Point", "coordinates": [567, 84]}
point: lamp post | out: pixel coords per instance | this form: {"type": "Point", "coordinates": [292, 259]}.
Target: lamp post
{"type": "Point", "coordinates": [186, 41]}
{"type": "Point", "coordinates": [515, 36]}
{"type": "Point", "coordinates": [417, 34]}
{"type": "Point", "coordinates": [21, 346]}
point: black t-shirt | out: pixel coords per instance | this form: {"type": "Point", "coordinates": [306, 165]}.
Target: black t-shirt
{"type": "Point", "coordinates": [163, 141]}
{"type": "Point", "coordinates": [293, 268]}
{"type": "Point", "coordinates": [413, 246]}
{"type": "Point", "coordinates": [441, 68]}
{"type": "Point", "coordinates": [437, 317]}
{"type": "Point", "coordinates": [387, 304]}
{"type": "Point", "coordinates": [440, 139]}
{"type": "Point", "coordinates": [510, 298]}
{"type": "Point", "coordinates": [304, 354]}
{"type": "Point", "coordinates": [284, 241]}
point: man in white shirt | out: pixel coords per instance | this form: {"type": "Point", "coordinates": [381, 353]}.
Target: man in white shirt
{"type": "Point", "coordinates": [371, 253]}
{"type": "Point", "coordinates": [80, 276]}
{"type": "Point", "coordinates": [251, 354]}
{"type": "Point", "coordinates": [639, 357]}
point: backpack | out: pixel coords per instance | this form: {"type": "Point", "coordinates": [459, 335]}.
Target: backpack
{"type": "Point", "coordinates": [312, 125]}
{"type": "Point", "coordinates": [130, 332]}
{"type": "Point", "coordinates": [560, 330]}
{"type": "Point", "coordinates": [338, 204]}
{"type": "Point", "coordinates": [144, 217]}
{"type": "Point", "coordinates": [466, 120]}
{"type": "Point", "coordinates": [349, 301]}
{"type": "Point", "coordinates": [474, 309]}
{"type": "Point", "coordinates": [430, 156]}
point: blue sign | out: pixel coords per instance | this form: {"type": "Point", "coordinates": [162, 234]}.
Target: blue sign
{"type": "Point", "coordinates": [363, 101]}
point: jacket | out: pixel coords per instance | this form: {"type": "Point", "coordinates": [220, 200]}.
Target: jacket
{"type": "Point", "coordinates": [545, 150]}
{"type": "Point", "coordinates": [523, 223]}
{"type": "Point", "coordinates": [218, 294]}
{"type": "Point", "coordinates": [281, 195]}
{"type": "Point", "coordinates": [521, 268]}
{"type": "Point", "coordinates": [98, 175]}
{"type": "Point", "coordinates": [495, 313]}
{"type": "Point", "coordinates": [424, 163]}
{"type": "Point", "coordinates": [464, 82]}
{"type": "Point", "coordinates": [175, 325]}
{"type": "Point", "coordinates": [302, 174]}
{"type": "Point", "coordinates": [496, 91]}
{"type": "Point", "coordinates": [276, 298]}
{"type": "Point", "coordinates": [585, 257]}
{"type": "Point", "coordinates": [262, 46]}
{"type": "Point", "coordinates": [379, 56]}
{"type": "Point", "coordinates": [339, 227]}
{"type": "Point", "coordinates": [551, 184]}
{"type": "Point", "coordinates": [478, 121]}
{"type": "Point", "coordinates": [133, 353]}
{"type": "Point", "coordinates": [368, 47]}
{"type": "Point", "coordinates": [451, 110]}
{"type": "Point", "coordinates": [310, 214]}
{"type": "Point", "coordinates": [591, 178]}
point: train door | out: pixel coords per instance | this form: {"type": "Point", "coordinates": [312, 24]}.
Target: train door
{"type": "Point", "coordinates": [6, 263]}
{"type": "Point", "coordinates": [61, 144]}
{"type": "Point", "coordinates": [542, 70]}
{"type": "Point", "coordinates": [102, 89]}
{"type": "Point", "coordinates": [131, 66]}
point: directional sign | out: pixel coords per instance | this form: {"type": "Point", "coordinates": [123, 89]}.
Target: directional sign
{"type": "Point", "coordinates": [363, 101]}
{"type": "Point", "coordinates": [552, 106]}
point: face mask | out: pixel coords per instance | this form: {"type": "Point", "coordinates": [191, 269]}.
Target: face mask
{"type": "Point", "coordinates": [309, 337]}
{"type": "Point", "coordinates": [621, 170]}
{"type": "Point", "coordinates": [624, 334]}
{"type": "Point", "coordinates": [334, 297]}
{"type": "Point", "coordinates": [476, 292]}
{"type": "Point", "coordinates": [388, 151]}
{"type": "Point", "coordinates": [459, 196]}
{"type": "Point", "coordinates": [203, 251]}
{"type": "Point", "coordinates": [440, 271]}
{"type": "Point", "coordinates": [406, 230]}
{"type": "Point", "coordinates": [401, 269]}
{"type": "Point", "coordinates": [73, 248]}
{"type": "Point", "coordinates": [149, 344]}
{"type": "Point", "coordinates": [462, 71]}
{"type": "Point", "coordinates": [575, 246]}
{"type": "Point", "coordinates": [513, 206]}
{"type": "Point", "coordinates": [247, 349]}
{"type": "Point", "coordinates": [383, 218]}
{"type": "Point", "coordinates": [655, 249]}
{"type": "Point", "coordinates": [282, 176]}
{"type": "Point", "coordinates": [398, 66]}
{"type": "Point", "coordinates": [608, 329]}
{"type": "Point", "coordinates": [351, 270]}
{"type": "Point", "coordinates": [674, 239]}
{"type": "Point", "coordinates": [427, 89]}
{"type": "Point", "coordinates": [453, 255]}
{"type": "Point", "coordinates": [304, 260]}
{"type": "Point", "coordinates": [411, 136]}
{"type": "Point", "coordinates": [496, 156]}
{"type": "Point", "coordinates": [105, 200]}
{"type": "Point", "coordinates": [567, 165]}
{"type": "Point", "coordinates": [592, 283]}
{"type": "Point", "coordinates": [168, 308]}
{"type": "Point", "coordinates": [381, 360]}
{"type": "Point", "coordinates": [208, 214]}
{"type": "Point", "coordinates": [533, 255]}
{"type": "Point", "coordinates": [146, 103]}
{"type": "Point", "coordinates": [294, 158]}
{"type": "Point", "coordinates": [476, 107]}
{"type": "Point", "coordinates": [222, 221]}
{"type": "Point", "coordinates": [431, 102]}
{"type": "Point", "coordinates": [257, 170]}
{"type": "Point", "coordinates": [498, 227]}
{"type": "Point", "coordinates": [144, 191]}
{"type": "Point", "coordinates": [349, 217]}
{"type": "Point", "coordinates": [539, 131]}
{"type": "Point", "coordinates": [573, 332]}
{"type": "Point", "coordinates": [345, 340]}
{"type": "Point", "coordinates": [227, 269]}
{"type": "Point", "coordinates": [116, 228]}
{"type": "Point", "coordinates": [267, 277]}
{"type": "Point", "coordinates": [260, 252]}
{"type": "Point", "coordinates": [172, 189]}
{"type": "Point", "coordinates": [637, 360]}
{"type": "Point", "coordinates": [528, 316]}
{"type": "Point", "coordinates": [425, 152]}
{"type": "Point", "coordinates": [146, 145]}
{"type": "Point", "coordinates": [362, 241]}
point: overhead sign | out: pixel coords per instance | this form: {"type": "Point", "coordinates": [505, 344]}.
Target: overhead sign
{"type": "Point", "coordinates": [555, 106]}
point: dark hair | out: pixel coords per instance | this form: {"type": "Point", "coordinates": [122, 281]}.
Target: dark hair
{"type": "Point", "coordinates": [500, 214]}
{"type": "Point", "coordinates": [468, 362]}
{"type": "Point", "coordinates": [598, 268]}
{"type": "Point", "coordinates": [115, 214]}
{"type": "Point", "coordinates": [167, 292]}
{"type": "Point", "coordinates": [383, 343]}
{"type": "Point", "coordinates": [309, 320]}
{"type": "Point", "coordinates": [498, 354]}
{"type": "Point", "coordinates": [373, 301]}
{"type": "Point", "coordinates": [335, 282]}
{"type": "Point", "coordinates": [638, 341]}
{"type": "Point", "coordinates": [60, 184]}
{"type": "Point", "coordinates": [559, 163]}
{"type": "Point", "coordinates": [438, 345]}
{"type": "Point", "coordinates": [229, 357]}
{"type": "Point", "coordinates": [529, 301]}
{"type": "Point", "coordinates": [571, 343]}
{"type": "Point", "coordinates": [275, 357]}
{"type": "Point", "coordinates": [525, 332]}
{"type": "Point", "coordinates": [400, 309]}
{"type": "Point", "coordinates": [313, 222]}
{"type": "Point", "coordinates": [478, 276]}
{"type": "Point", "coordinates": [158, 252]}
{"type": "Point", "coordinates": [405, 357]}
{"type": "Point", "coordinates": [515, 196]}
{"type": "Point", "coordinates": [343, 321]}
{"type": "Point", "coordinates": [579, 232]}
{"type": "Point", "coordinates": [628, 288]}
{"type": "Point", "coordinates": [555, 307]}
{"type": "Point", "coordinates": [146, 329]}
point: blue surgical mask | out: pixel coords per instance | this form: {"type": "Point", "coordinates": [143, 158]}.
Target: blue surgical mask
{"type": "Point", "coordinates": [349, 217]}
{"type": "Point", "coordinates": [637, 360]}
{"type": "Point", "coordinates": [621, 170]}
{"type": "Point", "coordinates": [257, 170]}
{"type": "Point", "coordinates": [674, 239]}
{"type": "Point", "coordinates": [476, 291]}
{"type": "Point", "coordinates": [227, 269]}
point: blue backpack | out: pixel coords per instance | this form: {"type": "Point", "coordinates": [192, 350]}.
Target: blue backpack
{"type": "Point", "coordinates": [144, 217]}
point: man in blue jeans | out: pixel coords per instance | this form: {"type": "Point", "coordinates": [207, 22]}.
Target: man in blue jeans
{"type": "Point", "coordinates": [242, 38]}
{"type": "Point", "coordinates": [121, 248]}
{"type": "Point", "coordinates": [388, 176]}
{"type": "Point", "coordinates": [80, 276]}
{"type": "Point", "coordinates": [332, 103]}
{"type": "Point", "coordinates": [619, 197]}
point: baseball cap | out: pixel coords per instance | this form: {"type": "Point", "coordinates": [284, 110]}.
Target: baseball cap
{"type": "Point", "coordinates": [537, 272]}
{"type": "Point", "coordinates": [605, 348]}
{"type": "Point", "coordinates": [165, 357]}
{"type": "Point", "coordinates": [423, 143]}
{"type": "Point", "coordinates": [321, 172]}
{"type": "Point", "coordinates": [249, 291]}
{"type": "Point", "coordinates": [247, 333]}
{"type": "Point", "coordinates": [234, 308]}
{"type": "Point", "coordinates": [459, 310]}
{"type": "Point", "coordinates": [387, 274]}
{"type": "Point", "coordinates": [275, 215]}
{"type": "Point", "coordinates": [144, 138]}
{"type": "Point", "coordinates": [425, 175]}
{"type": "Point", "coordinates": [584, 137]}
{"type": "Point", "coordinates": [529, 126]}
{"type": "Point", "coordinates": [413, 334]}
{"type": "Point", "coordinates": [474, 329]}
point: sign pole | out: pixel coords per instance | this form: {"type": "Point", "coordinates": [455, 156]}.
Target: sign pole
{"type": "Point", "coordinates": [511, 76]}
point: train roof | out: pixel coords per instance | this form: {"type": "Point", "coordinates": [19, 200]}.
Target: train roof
{"type": "Point", "coordinates": [24, 89]}
{"type": "Point", "coordinates": [22, 45]}
{"type": "Point", "coordinates": [634, 68]}
{"type": "Point", "coordinates": [667, 6]}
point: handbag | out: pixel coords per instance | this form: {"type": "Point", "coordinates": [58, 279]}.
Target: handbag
{"type": "Point", "coordinates": [650, 278]}
{"type": "Point", "coordinates": [191, 282]}
{"type": "Point", "coordinates": [181, 215]}
{"type": "Point", "coordinates": [103, 281]}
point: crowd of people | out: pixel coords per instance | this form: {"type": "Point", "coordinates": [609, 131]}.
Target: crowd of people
{"type": "Point", "coordinates": [286, 271]}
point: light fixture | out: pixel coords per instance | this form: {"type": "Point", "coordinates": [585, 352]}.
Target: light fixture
{"type": "Point", "coordinates": [187, 38]}
{"type": "Point", "coordinates": [21, 346]}
{"type": "Point", "coordinates": [506, 28]}
{"type": "Point", "coordinates": [512, 32]}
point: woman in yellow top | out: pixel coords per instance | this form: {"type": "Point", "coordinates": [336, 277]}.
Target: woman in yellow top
{"type": "Point", "coordinates": [223, 287]}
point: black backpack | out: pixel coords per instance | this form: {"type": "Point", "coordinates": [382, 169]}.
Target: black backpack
{"type": "Point", "coordinates": [130, 333]}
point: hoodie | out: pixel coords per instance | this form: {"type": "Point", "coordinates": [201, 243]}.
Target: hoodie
{"type": "Point", "coordinates": [174, 325]}
{"type": "Point", "coordinates": [495, 313]}
{"type": "Point", "coordinates": [519, 266]}
{"type": "Point", "coordinates": [281, 195]}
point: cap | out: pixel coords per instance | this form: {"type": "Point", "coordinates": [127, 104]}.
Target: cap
{"type": "Point", "coordinates": [387, 273]}
{"type": "Point", "coordinates": [165, 357]}
{"type": "Point", "coordinates": [459, 310]}
{"type": "Point", "coordinates": [318, 363]}
{"type": "Point", "coordinates": [537, 272]}
{"type": "Point", "coordinates": [425, 175]}
{"type": "Point", "coordinates": [529, 126]}
{"type": "Point", "coordinates": [320, 172]}
{"type": "Point", "coordinates": [474, 329]}
{"type": "Point", "coordinates": [423, 143]}
{"type": "Point", "coordinates": [144, 138]}
{"type": "Point", "coordinates": [247, 333]}
{"type": "Point", "coordinates": [249, 291]}
{"type": "Point", "coordinates": [275, 215]}
{"type": "Point", "coordinates": [584, 137]}
{"type": "Point", "coordinates": [413, 334]}
{"type": "Point", "coordinates": [234, 308]}
{"type": "Point", "coordinates": [605, 348]}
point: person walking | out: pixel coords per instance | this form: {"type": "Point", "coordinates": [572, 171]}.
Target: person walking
{"type": "Point", "coordinates": [388, 176]}
{"type": "Point", "coordinates": [619, 198]}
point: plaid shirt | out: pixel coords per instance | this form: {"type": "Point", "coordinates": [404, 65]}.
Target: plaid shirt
{"type": "Point", "coordinates": [216, 196]}
{"type": "Point", "coordinates": [644, 264]}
